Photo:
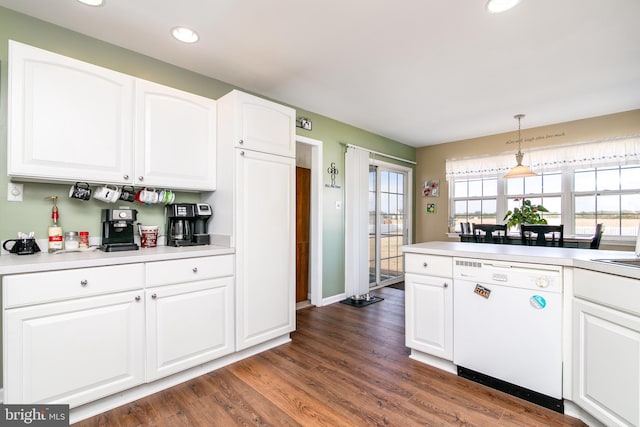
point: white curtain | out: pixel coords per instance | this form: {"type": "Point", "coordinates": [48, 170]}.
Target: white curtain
{"type": "Point", "coordinates": [357, 221]}
{"type": "Point", "coordinates": [619, 151]}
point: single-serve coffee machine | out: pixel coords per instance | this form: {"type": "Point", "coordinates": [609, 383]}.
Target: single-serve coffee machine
{"type": "Point", "coordinates": [117, 230]}
{"type": "Point", "coordinates": [187, 224]}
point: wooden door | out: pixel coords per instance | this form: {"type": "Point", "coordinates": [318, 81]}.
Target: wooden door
{"type": "Point", "coordinates": [303, 206]}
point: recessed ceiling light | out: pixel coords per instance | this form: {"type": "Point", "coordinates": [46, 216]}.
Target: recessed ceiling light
{"type": "Point", "coordinates": [92, 2]}
{"type": "Point", "coordinates": [497, 6]}
{"type": "Point", "coordinates": [185, 34]}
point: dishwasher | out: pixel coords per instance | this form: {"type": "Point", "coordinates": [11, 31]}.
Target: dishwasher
{"type": "Point", "coordinates": [507, 327]}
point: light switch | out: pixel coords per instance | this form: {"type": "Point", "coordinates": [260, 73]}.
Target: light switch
{"type": "Point", "coordinates": [14, 192]}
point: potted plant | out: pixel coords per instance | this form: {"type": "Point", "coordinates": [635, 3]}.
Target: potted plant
{"type": "Point", "coordinates": [528, 213]}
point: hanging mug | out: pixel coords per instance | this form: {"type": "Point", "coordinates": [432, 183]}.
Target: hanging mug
{"type": "Point", "coordinates": [80, 191]}
{"type": "Point", "coordinates": [166, 196]}
{"type": "Point", "coordinates": [107, 193]}
{"type": "Point", "coordinates": [128, 194]}
{"type": "Point", "coordinates": [147, 196]}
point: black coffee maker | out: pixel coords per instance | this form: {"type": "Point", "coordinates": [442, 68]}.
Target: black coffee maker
{"type": "Point", "coordinates": [187, 224]}
{"type": "Point", "coordinates": [117, 230]}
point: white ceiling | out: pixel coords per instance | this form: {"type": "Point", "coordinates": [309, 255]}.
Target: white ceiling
{"type": "Point", "coordinates": [417, 71]}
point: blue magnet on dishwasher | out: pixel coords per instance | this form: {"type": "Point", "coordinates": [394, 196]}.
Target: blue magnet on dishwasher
{"type": "Point", "coordinates": [538, 302]}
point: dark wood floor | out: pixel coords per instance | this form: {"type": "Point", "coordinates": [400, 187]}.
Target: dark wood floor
{"type": "Point", "coordinates": [346, 366]}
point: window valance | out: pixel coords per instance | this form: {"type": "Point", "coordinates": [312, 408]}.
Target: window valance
{"type": "Point", "coordinates": [613, 152]}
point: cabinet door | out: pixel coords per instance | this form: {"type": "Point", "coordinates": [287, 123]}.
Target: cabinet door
{"type": "Point", "coordinates": [68, 120]}
{"type": "Point", "coordinates": [429, 314]}
{"type": "Point", "coordinates": [188, 324]}
{"type": "Point", "coordinates": [606, 363]}
{"type": "Point", "coordinates": [175, 138]}
{"type": "Point", "coordinates": [265, 126]}
{"type": "Point", "coordinates": [75, 351]}
{"type": "Point", "coordinates": [265, 257]}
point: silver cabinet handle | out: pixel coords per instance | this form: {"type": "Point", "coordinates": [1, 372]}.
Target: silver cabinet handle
{"type": "Point", "coordinates": [241, 142]}
{"type": "Point", "coordinates": [126, 177]}
{"type": "Point", "coordinates": [242, 153]}
{"type": "Point", "coordinates": [154, 296]}
{"type": "Point", "coordinates": [138, 298]}
{"type": "Point", "coordinates": [141, 178]}
{"type": "Point", "coordinates": [195, 269]}
{"type": "Point", "coordinates": [445, 285]}
{"type": "Point", "coordinates": [424, 264]}
{"type": "Point", "coordinates": [84, 282]}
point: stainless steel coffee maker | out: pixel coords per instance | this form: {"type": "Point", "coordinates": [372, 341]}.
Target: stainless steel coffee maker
{"type": "Point", "coordinates": [186, 224]}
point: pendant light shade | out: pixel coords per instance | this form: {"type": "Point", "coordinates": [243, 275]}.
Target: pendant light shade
{"type": "Point", "coordinates": [519, 170]}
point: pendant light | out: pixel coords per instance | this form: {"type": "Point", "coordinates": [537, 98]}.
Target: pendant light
{"type": "Point", "coordinates": [519, 171]}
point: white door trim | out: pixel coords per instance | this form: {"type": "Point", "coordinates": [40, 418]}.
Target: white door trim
{"type": "Point", "coordinates": [315, 246]}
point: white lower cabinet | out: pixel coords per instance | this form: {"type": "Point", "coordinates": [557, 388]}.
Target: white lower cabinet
{"type": "Point", "coordinates": [429, 314]}
{"type": "Point", "coordinates": [607, 363]}
{"type": "Point", "coordinates": [606, 347]}
{"type": "Point", "coordinates": [75, 336]}
{"type": "Point", "coordinates": [75, 351]}
{"type": "Point", "coordinates": [188, 324]}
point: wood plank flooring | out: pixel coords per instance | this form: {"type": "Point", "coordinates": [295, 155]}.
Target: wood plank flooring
{"type": "Point", "coordinates": [345, 366]}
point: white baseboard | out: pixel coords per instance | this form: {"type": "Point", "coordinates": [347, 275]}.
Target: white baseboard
{"type": "Point", "coordinates": [575, 411]}
{"type": "Point", "coordinates": [97, 407]}
{"type": "Point", "coordinates": [434, 361]}
{"type": "Point", "coordinates": [333, 299]}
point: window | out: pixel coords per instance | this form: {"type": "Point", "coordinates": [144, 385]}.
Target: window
{"type": "Point", "coordinates": [474, 201]}
{"type": "Point", "coordinates": [610, 196]}
{"type": "Point", "coordinates": [544, 189]}
{"type": "Point", "coordinates": [581, 185]}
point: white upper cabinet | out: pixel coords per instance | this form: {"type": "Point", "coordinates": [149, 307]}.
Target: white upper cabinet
{"type": "Point", "coordinates": [68, 120]}
{"type": "Point", "coordinates": [175, 138]}
{"type": "Point", "coordinates": [74, 121]}
{"type": "Point", "coordinates": [264, 126]}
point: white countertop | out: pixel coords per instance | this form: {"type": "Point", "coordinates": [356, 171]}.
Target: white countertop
{"type": "Point", "coordinates": [44, 261]}
{"type": "Point", "coordinates": [571, 257]}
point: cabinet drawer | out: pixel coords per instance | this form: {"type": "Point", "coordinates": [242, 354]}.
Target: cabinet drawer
{"type": "Point", "coordinates": [433, 265]}
{"type": "Point", "coordinates": [188, 270]}
{"type": "Point", "coordinates": [34, 288]}
{"type": "Point", "coordinates": [618, 292]}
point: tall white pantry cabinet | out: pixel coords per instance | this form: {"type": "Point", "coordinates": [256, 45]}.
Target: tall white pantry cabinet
{"type": "Point", "coordinates": [254, 212]}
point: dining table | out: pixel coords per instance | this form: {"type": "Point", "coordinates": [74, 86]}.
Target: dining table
{"type": "Point", "coordinates": [582, 242]}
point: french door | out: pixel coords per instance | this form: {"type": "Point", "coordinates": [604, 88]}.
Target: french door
{"type": "Point", "coordinates": [389, 222]}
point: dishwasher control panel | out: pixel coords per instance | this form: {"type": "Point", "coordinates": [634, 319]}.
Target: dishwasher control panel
{"type": "Point", "coordinates": [515, 274]}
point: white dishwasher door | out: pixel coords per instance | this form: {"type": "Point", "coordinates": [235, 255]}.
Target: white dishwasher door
{"type": "Point", "coordinates": [512, 334]}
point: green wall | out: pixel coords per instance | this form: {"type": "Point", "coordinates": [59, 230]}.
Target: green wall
{"type": "Point", "coordinates": [34, 212]}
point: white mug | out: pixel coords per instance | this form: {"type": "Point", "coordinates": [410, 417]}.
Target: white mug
{"type": "Point", "coordinates": [148, 196]}
{"type": "Point", "coordinates": [107, 193]}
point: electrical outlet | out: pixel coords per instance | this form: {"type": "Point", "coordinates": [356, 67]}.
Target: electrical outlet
{"type": "Point", "coordinates": [14, 192]}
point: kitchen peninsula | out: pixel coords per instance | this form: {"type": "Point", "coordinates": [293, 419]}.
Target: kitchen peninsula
{"type": "Point", "coordinates": [598, 322]}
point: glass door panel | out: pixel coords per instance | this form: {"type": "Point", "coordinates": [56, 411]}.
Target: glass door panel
{"type": "Point", "coordinates": [387, 230]}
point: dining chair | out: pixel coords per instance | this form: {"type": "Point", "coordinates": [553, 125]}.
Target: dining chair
{"type": "Point", "coordinates": [597, 236]}
{"type": "Point", "coordinates": [465, 228]}
{"type": "Point", "coordinates": [536, 234]}
{"type": "Point", "coordinates": [484, 233]}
